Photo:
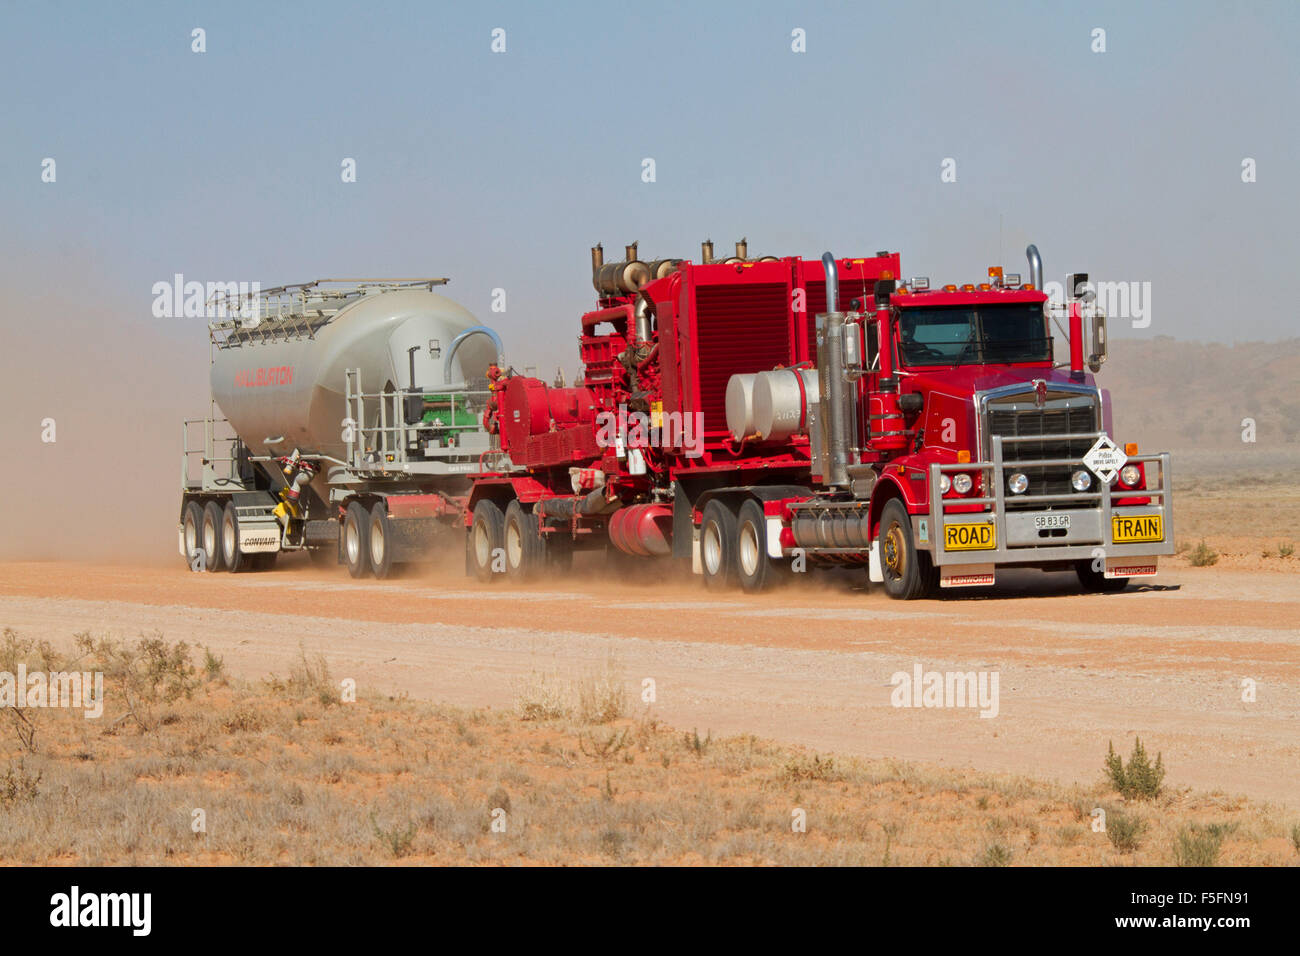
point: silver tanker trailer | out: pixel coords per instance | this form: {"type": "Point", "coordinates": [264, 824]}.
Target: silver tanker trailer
{"type": "Point", "coordinates": [346, 421]}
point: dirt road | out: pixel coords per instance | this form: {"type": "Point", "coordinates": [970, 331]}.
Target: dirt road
{"type": "Point", "coordinates": [811, 664]}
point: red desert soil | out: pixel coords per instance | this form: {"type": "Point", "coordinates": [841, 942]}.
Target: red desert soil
{"type": "Point", "coordinates": [810, 664]}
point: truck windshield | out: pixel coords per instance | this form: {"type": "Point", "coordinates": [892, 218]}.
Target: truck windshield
{"type": "Point", "coordinates": [975, 335]}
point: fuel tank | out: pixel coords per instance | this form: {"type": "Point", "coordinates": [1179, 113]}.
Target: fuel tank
{"type": "Point", "coordinates": [282, 386]}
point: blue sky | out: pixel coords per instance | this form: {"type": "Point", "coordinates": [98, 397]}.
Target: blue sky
{"type": "Point", "coordinates": [499, 170]}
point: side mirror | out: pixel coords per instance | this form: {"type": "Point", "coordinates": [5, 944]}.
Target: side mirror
{"type": "Point", "coordinates": [1097, 345]}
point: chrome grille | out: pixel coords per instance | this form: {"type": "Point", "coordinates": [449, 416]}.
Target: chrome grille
{"type": "Point", "coordinates": [1020, 417]}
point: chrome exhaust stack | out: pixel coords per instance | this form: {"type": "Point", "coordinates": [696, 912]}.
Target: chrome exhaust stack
{"type": "Point", "coordinates": [1035, 267]}
{"type": "Point", "coordinates": [830, 382]}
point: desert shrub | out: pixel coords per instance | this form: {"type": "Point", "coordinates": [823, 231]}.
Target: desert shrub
{"type": "Point", "coordinates": [1198, 845]}
{"type": "Point", "coordinates": [602, 696]}
{"type": "Point", "coordinates": [1124, 831]}
{"type": "Point", "coordinates": [396, 839]}
{"type": "Point", "coordinates": [995, 854]}
{"type": "Point", "coordinates": [539, 697]}
{"type": "Point", "coordinates": [1140, 779]}
{"type": "Point", "coordinates": [18, 786]}
{"type": "Point", "coordinates": [1203, 556]}
{"type": "Point", "coordinates": [696, 744]}
{"type": "Point", "coordinates": [811, 768]}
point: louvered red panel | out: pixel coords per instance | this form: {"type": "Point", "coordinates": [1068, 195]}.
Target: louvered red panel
{"type": "Point", "coordinates": [740, 328]}
{"type": "Point", "coordinates": [851, 287]}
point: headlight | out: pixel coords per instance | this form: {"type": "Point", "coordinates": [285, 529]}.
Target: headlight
{"type": "Point", "coordinates": [1018, 483]}
{"type": "Point", "coordinates": [1130, 475]}
{"type": "Point", "coordinates": [944, 484]}
{"type": "Point", "coordinates": [1081, 480]}
{"type": "Point", "coordinates": [961, 483]}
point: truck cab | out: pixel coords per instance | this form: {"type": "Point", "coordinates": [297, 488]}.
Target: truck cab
{"type": "Point", "coordinates": [998, 456]}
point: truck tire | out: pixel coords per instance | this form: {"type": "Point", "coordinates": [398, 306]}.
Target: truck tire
{"type": "Point", "coordinates": [211, 537]}
{"type": "Point", "coordinates": [1096, 582]}
{"type": "Point", "coordinates": [718, 537]}
{"type": "Point", "coordinates": [379, 540]}
{"type": "Point", "coordinates": [525, 549]}
{"type": "Point", "coordinates": [356, 540]}
{"type": "Point", "coordinates": [757, 571]}
{"type": "Point", "coordinates": [234, 559]}
{"type": "Point", "coordinates": [192, 528]}
{"type": "Point", "coordinates": [486, 536]}
{"type": "Point", "coordinates": [909, 573]}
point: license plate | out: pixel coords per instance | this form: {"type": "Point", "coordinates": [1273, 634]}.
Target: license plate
{"type": "Point", "coordinates": [969, 537]}
{"type": "Point", "coordinates": [1049, 522]}
{"type": "Point", "coordinates": [1138, 529]}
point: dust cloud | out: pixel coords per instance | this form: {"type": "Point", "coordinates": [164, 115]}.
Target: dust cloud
{"type": "Point", "coordinates": [81, 351]}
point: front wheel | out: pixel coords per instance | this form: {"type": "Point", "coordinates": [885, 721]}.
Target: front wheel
{"type": "Point", "coordinates": [909, 573]}
{"type": "Point", "coordinates": [1096, 582]}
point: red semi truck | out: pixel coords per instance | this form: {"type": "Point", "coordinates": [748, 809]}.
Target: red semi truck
{"type": "Point", "coordinates": [758, 417]}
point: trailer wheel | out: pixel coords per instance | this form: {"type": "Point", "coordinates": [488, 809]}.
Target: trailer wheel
{"type": "Point", "coordinates": [380, 540]}
{"type": "Point", "coordinates": [525, 549]}
{"type": "Point", "coordinates": [485, 539]}
{"type": "Point", "coordinates": [1096, 582]}
{"type": "Point", "coordinates": [233, 558]}
{"type": "Point", "coordinates": [192, 524]}
{"type": "Point", "coordinates": [756, 568]}
{"type": "Point", "coordinates": [355, 539]}
{"type": "Point", "coordinates": [718, 538]}
{"type": "Point", "coordinates": [213, 558]}
{"type": "Point", "coordinates": [909, 573]}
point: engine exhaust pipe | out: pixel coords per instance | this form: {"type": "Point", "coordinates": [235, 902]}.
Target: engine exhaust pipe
{"type": "Point", "coordinates": [597, 258]}
{"type": "Point", "coordinates": [1035, 267]}
{"type": "Point", "coordinates": [706, 251]}
{"type": "Point", "coordinates": [832, 283]}
{"type": "Point", "coordinates": [742, 249]}
{"type": "Point", "coordinates": [831, 384]}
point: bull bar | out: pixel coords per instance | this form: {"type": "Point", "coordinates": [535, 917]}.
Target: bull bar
{"type": "Point", "coordinates": [1012, 544]}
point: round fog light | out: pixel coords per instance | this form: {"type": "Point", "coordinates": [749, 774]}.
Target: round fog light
{"type": "Point", "coordinates": [1018, 483]}
{"type": "Point", "coordinates": [1081, 480]}
{"type": "Point", "coordinates": [961, 483]}
{"type": "Point", "coordinates": [1129, 475]}
{"type": "Point", "coordinates": [944, 484]}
